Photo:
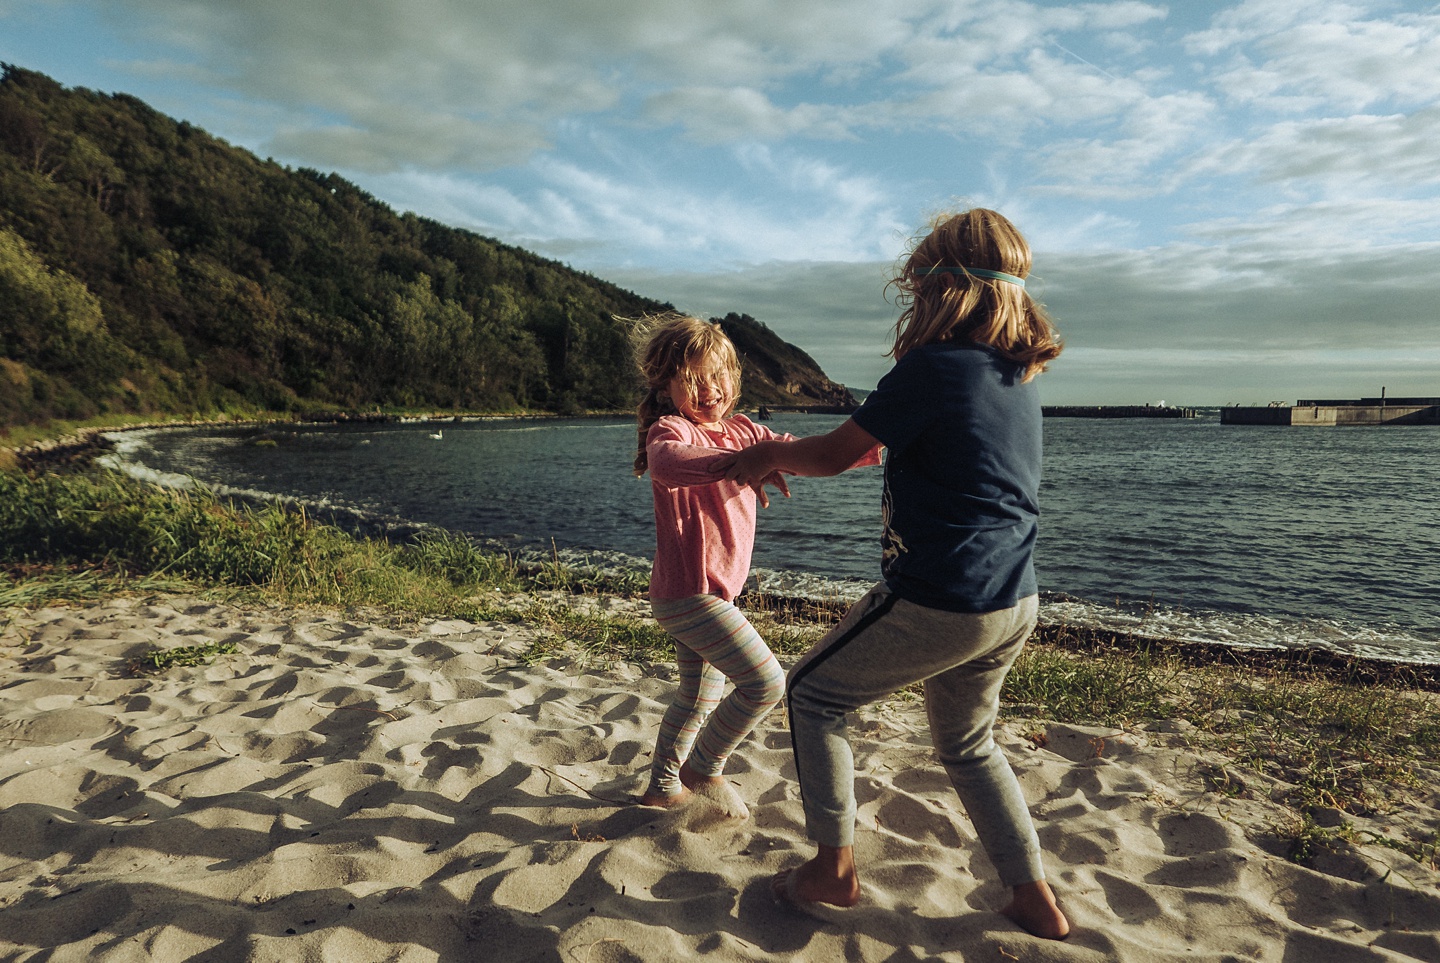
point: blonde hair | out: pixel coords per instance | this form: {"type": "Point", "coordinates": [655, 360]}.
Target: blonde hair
{"type": "Point", "coordinates": [671, 344]}
{"type": "Point", "coordinates": [967, 307]}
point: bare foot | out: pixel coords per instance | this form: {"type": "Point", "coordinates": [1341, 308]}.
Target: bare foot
{"type": "Point", "coordinates": [716, 790]}
{"type": "Point", "coordinates": [654, 798]}
{"type": "Point", "coordinates": [828, 878]}
{"type": "Point", "coordinates": [1034, 910]}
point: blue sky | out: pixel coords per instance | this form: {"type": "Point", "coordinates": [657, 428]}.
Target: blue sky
{"type": "Point", "coordinates": [1228, 202]}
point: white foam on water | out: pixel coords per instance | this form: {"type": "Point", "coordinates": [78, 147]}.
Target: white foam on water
{"type": "Point", "coordinates": [1245, 629]}
{"type": "Point", "coordinates": [127, 458]}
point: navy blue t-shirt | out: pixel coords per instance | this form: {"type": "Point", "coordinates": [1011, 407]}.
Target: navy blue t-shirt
{"type": "Point", "coordinates": [962, 477]}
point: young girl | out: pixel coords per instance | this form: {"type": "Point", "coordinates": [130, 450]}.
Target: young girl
{"type": "Point", "coordinates": [960, 417]}
{"type": "Point", "coordinates": [704, 533]}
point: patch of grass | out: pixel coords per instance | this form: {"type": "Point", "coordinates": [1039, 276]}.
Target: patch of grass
{"type": "Point", "coordinates": [107, 519]}
{"type": "Point", "coordinates": [21, 436]}
{"type": "Point", "coordinates": [1351, 745]}
{"type": "Point", "coordinates": [1425, 851]}
{"type": "Point", "coordinates": [1105, 691]}
{"type": "Point", "coordinates": [603, 638]}
{"type": "Point", "coordinates": [1343, 733]}
{"type": "Point", "coordinates": [1344, 745]}
{"type": "Point", "coordinates": [555, 575]}
{"type": "Point", "coordinates": [1223, 781]}
{"type": "Point", "coordinates": [34, 586]}
{"type": "Point", "coordinates": [1305, 839]}
{"type": "Point", "coordinates": [459, 562]}
{"type": "Point", "coordinates": [158, 660]}
{"type": "Point", "coordinates": [96, 533]}
{"type": "Point", "coordinates": [788, 625]}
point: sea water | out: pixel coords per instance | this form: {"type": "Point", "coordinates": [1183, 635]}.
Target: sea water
{"type": "Point", "coordinates": [1184, 528]}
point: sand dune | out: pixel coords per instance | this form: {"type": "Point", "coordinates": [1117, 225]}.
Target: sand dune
{"type": "Point", "coordinates": [346, 791]}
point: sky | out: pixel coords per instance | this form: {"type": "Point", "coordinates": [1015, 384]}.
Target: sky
{"type": "Point", "coordinates": [1228, 202]}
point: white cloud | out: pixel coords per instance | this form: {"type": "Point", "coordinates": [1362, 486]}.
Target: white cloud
{"type": "Point", "coordinates": [1248, 299]}
{"type": "Point", "coordinates": [713, 115]}
{"type": "Point", "coordinates": [487, 80]}
{"type": "Point", "coordinates": [836, 311]}
{"type": "Point", "coordinates": [1155, 131]}
{"type": "Point", "coordinates": [1298, 56]}
{"type": "Point", "coordinates": [492, 80]}
{"type": "Point", "coordinates": [1393, 153]}
{"type": "Point", "coordinates": [1117, 20]}
{"type": "Point", "coordinates": [619, 218]}
{"type": "Point", "coordinates": [396, 138]}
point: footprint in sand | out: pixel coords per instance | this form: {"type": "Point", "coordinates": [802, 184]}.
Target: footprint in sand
{"type": "Point", "coordinates": [1129, 902]}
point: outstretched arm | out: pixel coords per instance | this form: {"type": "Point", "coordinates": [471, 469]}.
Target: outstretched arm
{"type": "Point", "coordinates": [675, 464]}
{"type": "Point", "coordinates": [848, 446]}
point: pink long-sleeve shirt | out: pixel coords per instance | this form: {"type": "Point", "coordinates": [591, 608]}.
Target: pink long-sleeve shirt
{"type": "Point", "coordinates": [704, 525]}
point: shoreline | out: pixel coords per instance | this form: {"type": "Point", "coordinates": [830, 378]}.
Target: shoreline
{"type": "Point", "coordinates": [79, 446]}
{"type": "Point", "coordinates": [78, 450]}
{"type": "Point", "coordinates": [425, 788]}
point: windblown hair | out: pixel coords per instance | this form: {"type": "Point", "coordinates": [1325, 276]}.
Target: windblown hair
{"type": "Point", "coordinates": [671, 344]}
{"type": "Point", "coordinates": [966, 307]}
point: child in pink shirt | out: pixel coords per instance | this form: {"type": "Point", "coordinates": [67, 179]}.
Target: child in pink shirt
{"type": "Point", "coordinates": [704, 534]}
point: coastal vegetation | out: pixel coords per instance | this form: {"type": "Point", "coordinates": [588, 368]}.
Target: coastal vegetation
{"type": "Point", "coordinates": [1331, 741]}
{"type": "Point", "coordinates": [150, 269]}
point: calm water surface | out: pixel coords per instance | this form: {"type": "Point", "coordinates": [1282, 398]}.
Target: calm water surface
{"type": "Point", "coordinates": [1321, 537]}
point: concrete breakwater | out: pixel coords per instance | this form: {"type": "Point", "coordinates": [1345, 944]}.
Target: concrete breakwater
{"type": "Point", "coordinates": [1365, 411]}
{"type": "Point", "coordinates": [1117, 411]}
{"type": "Point", "coordinates": [1050, 411]}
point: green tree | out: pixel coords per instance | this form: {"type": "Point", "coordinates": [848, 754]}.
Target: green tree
{"type": "Point", "coordinates": [48, 316]}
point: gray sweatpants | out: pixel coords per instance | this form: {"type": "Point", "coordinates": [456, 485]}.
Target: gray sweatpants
{"type": "Point", "coordinates": [882, 645]}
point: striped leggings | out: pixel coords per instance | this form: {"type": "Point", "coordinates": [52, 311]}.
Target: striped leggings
{"type": "Point", "coordinates": [713, 641]}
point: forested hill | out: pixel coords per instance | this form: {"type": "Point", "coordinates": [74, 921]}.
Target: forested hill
{"type": "Point", "coordinates": [148, 267]}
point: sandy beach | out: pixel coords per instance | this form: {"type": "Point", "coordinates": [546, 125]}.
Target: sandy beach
{"type": "Point", "coordinates": [342, 790]}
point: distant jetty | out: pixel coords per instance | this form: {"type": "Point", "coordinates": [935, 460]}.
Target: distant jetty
{"type": "Point", "coordinates": [1050, 411]}
{"type": "Point", "coordinates": [1117, 411]}
{"type": "Point", "coordinates": [1328, 413]}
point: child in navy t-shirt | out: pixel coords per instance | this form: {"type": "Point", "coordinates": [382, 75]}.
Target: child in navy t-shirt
{"type": "Point", "coordinates": [960, 420]}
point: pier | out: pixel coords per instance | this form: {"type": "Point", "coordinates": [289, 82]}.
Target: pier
{"type": "Point", "coordinates": [1117, 411]}
{"type": "Point", "coordinates": [1050, 411]}
{"type": "Point", "coordinates": [1324, 414]}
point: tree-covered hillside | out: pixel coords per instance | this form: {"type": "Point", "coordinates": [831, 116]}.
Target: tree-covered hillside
{"type": "Point", "coordinates": [148, 267]}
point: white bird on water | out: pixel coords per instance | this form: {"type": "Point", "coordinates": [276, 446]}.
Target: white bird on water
{"type": "Point", "coordinates": [437, 435]}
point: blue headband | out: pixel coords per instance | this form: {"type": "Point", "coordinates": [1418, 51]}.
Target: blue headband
{"type": "Point", "coordinates": [978, 272]}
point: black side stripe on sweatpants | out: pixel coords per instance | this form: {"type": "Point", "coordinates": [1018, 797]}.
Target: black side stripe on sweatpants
{"type": "Point", "coordinates": [865, 621]}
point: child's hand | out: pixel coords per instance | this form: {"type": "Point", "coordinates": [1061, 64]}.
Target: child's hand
{"type": "Point", "coordinates": [774, 479]}
{"type": "Point", "coordinates": [750, 467]}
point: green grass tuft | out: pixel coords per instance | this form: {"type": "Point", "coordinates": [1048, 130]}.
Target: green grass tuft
{"type": "Point", "coordinates": [158, 660]}
{"type": "Point", "coordinates": [1095, 691]}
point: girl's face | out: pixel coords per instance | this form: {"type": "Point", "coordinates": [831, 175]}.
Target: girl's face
{"type": "Point", "coordinates": [712, 396]}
